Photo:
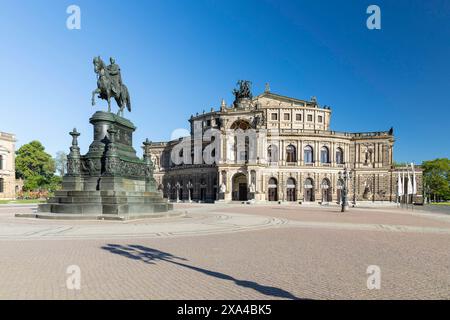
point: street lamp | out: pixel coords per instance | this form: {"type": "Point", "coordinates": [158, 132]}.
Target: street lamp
{"type": "Point", "coordinates": [177, 189]}
{"type": "Point", "coordinates": [346, 175]}
{"type": "Point", "coordinates": [354, 187]}
{"type": "Point", "coordinates": [189, 187]}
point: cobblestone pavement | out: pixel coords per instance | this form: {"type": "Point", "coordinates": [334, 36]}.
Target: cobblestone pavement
{"type": "Point", "coordinates": [229, 252]}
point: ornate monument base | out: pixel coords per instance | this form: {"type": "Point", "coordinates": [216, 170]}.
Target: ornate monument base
{"type": "Point", "coordinates": [110, 180]}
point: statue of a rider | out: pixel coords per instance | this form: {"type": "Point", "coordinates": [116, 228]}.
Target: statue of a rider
{"type": "Point", "coordinates": [110, 85]}
{"type": "Point", "coordinates": [114, 73]}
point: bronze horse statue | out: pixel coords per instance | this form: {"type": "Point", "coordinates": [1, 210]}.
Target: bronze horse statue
{"type": "Point", "coordinates": [110, 85]}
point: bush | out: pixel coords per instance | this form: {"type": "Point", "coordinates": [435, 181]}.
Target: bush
{"type": "Point", "coordinates": [34, 195]}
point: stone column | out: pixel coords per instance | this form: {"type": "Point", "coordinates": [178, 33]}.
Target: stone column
{"type": "Point", "coordinates": [73, 176]}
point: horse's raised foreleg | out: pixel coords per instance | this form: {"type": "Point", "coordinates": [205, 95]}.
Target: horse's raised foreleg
{"type": "Point", "coordinates": [109, 104]}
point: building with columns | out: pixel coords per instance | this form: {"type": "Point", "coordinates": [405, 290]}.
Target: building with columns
{"type": "Point", "coordinates": [7, 166]}
{"type": "Point", "coordinates": [295, 156]}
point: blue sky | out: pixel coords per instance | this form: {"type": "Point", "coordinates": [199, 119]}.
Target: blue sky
{"type": "Point", "coordinates": [182, 57]}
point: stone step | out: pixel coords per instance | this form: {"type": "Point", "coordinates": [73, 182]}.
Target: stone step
{"type": "Point", "coordinates": [96, 209]}
{"type": "Point", "coordinates": [108, 200]}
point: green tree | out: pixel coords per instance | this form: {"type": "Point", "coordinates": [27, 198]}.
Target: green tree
{"type": "Point", "coordinates": [60, 163]}
{"type": "Point", "coordinates": [436, 174]}
{"type": "Point", "coordinates": [35, 166]}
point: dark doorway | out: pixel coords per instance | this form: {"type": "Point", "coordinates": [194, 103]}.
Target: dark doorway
{"type": "Point", "coordinates": [309, 190]}
{"type": "Point", "coordinates": [309, 195]}
{"type": "Point", "coordinates": [273, 196]}
{"type": "Point", "coordinates": [242, 191]}
{"type": "Point", "coordinates": [203, 194]}
{"type": "Point", "coordinates": [291, 190]}
{"type": "Point", "coordinates": [291, 194]}
{"type": "Point", "coordinates": [239, 192]}
{"type": "Point", "coordinates": [273, 189]}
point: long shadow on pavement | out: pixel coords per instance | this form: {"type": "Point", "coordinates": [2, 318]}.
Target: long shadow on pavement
{"type": "Point", "coordinates": [151, 256]}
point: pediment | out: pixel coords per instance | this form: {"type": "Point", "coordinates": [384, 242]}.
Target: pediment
{"type": "Point", "coordinates": [272, 99]}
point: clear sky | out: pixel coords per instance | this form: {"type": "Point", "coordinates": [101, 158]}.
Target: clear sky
{"type": "Point", "coordinates": [182, 57]}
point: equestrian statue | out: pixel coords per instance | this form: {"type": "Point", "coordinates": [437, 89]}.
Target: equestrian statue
{"type": "Point", "coordinates": [109, 85]}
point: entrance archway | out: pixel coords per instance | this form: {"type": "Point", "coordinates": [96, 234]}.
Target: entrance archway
{"type": "Point", "coordinates": [309, 190]}
{"type": "Point", "coordinates": [326, 190]}
{"type": "Point", "coordinates": [291, 190]}
{"type": "Point", "coordinates": [240, 188]}
{"type": "Point", "coordinates": [273, 189]}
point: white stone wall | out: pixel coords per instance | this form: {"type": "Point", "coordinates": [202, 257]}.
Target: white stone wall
{"type": "Point", "coordinates": [7, 168]}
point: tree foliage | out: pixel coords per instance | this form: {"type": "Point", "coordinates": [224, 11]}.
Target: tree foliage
{"type": "Point", "coordinates": [36, 167]}
{"type": "Point", "coordinates": [60, 163]}
{"type": "Point", "coordinates": [437, 178]}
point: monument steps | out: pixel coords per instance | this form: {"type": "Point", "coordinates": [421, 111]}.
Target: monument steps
{"type": "Point", "coordinates": [110, 180]}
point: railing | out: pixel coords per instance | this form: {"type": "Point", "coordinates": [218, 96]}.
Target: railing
{"type": "Point", "coordinates": [335, 133]}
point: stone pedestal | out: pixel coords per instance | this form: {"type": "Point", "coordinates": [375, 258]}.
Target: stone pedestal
{"type": "Point", "coordinates": [110, 179]}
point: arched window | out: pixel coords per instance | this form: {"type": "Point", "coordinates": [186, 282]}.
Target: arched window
{"type": "Point", "coordinates": [2, 165]}
{"type": "Point", "coordinates": [339, 156]}
{"type": "Point", "coordinates": [309, 183]}
{"type": "Point", "coordinates": [290, 182]}
{"type": "Point", "coordinates": [308, 154]}
{"type": "Point", "coordinates": [291, 153]}
{"type": "Point", "coordinates": [2, 188]}
{"type": "Point", "coordinates": [240, 124]}
{"type": "Point", "coordinates": [272, 153]}
{"type": "Point", "coordinates": [324, 158]}
{"type": "Point", "coordinates": [325, 183]}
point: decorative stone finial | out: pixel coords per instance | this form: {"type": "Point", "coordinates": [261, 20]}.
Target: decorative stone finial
{"type": "Point", "coordinates": [267, 88]}
{"type": "Point", "coordinates": [223, 105]}
{"type": "Point", "coordinates": [75, 134]}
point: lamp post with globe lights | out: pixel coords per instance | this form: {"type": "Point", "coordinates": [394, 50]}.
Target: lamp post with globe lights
{"type": "Point", "coordinates": [345, 176]}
